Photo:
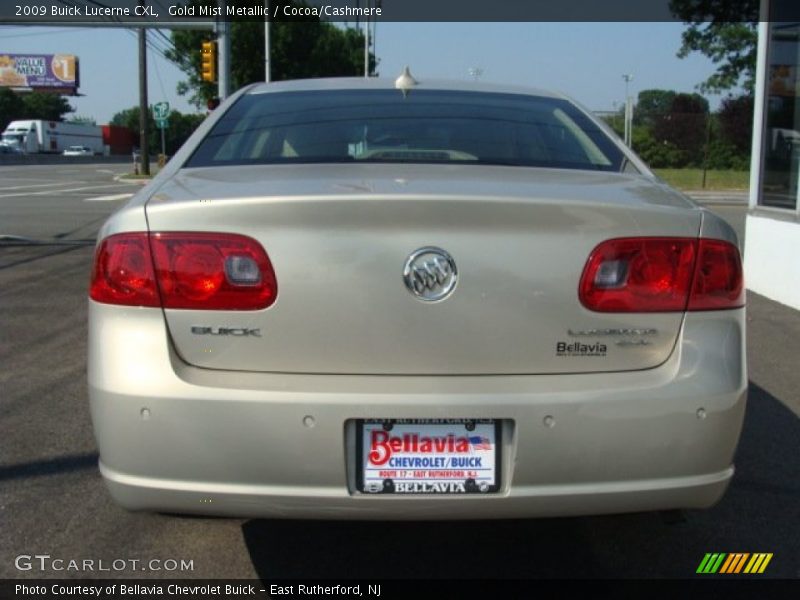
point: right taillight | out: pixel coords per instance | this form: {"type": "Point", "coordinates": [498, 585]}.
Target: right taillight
{"type": "Point", "coordinates": [718, 280]}
{"type": "Point", "coordinates": [189, 270]}
{"type": "Point", "coordinates": [647, 274]}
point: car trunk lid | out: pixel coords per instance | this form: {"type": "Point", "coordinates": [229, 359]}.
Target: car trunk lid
{"type": "Point", "coordinates": [339, 237]}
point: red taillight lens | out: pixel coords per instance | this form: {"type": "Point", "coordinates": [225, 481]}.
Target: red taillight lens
{"type": "Point", "coordinates": [123, 272]}
{"type": "Point", "coordinates": [638, 275]}
{"type": "Point", "coordinates": [662, 275]}
{"type": "Point", "coordinates": [194, 272]}
{"type": "Point", "coordinates": [206, 271]}
{"type": "Point", "coordinates": [211, 271]}
{"type": "Point", "coordinates": [718, 281]}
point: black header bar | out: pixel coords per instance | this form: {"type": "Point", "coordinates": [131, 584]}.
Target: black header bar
{"type": "Point", "coordinates": [206, 12]}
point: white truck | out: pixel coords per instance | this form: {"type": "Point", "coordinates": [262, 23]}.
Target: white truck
{"type": "Point", "coordinates": [34, 137]}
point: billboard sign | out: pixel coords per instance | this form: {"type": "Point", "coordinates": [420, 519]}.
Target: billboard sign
{"type": "Point", "coordinates": [54, 72]}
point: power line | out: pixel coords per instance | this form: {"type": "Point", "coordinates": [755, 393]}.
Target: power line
{"type": "Point", "coordinates": [155, 50]}
{"type": "Point", "coordinates": [49, 32]}
{"type": "Point", "coordinates": [165, 46]}
{"type": "Point", "coordinates": [158, 76]}
{"type": "Point", "coordinates": [150, 46]}
{"type": "Point", "coordinates": [151, 41]}
{"type": "Point", "coordinates": [167, 39]}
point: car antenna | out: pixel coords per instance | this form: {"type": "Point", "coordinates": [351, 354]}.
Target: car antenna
{"type": "Point", "coordinates": [405, 82]}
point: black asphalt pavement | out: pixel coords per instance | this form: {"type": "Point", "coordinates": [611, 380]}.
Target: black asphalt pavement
{"type": "Point", "coordinates": [52, 500]}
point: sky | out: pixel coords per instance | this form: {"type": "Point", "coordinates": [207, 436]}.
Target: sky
{"type": "Point", "coordinates": [584, 60]}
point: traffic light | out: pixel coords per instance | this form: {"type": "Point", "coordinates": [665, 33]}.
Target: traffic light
{"type": "Point", "coordinates": [208, 65]}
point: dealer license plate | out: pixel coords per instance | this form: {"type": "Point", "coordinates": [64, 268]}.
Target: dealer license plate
{"type": "Point", "coordinates": [428, 456]}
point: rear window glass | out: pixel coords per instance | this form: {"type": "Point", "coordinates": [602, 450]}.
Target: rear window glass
{"type": "Point", "coordinates": [425, 126]}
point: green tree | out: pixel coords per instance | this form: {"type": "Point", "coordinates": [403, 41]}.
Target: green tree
{"type": "Point", "coordinates": [736, 122]}
{"type": "Point", "coordinates": [724, 155]}
{"type": "Point", "coordinates": [80, 120]}
{"type": "Point", "coordinates": [685, 127]}
{"type": "Point", "coordinates": [726, 32]}
{"type": "Point", "coordinates": [45, 106]}
{"type": "Point", "coordinates": [130, 118]}
{"type": "Point", "coordinates": [11, 107]}
{"type": "Point", "coordinates": [179, 128]}
{"type": "Point", "coordinates": [616, 121]}
{"type": "Point", "coordinates": [127, 118]}
{"type": "Point", "coordinates": [658, 154]}
{"type": "Point", "coordinates": [652, 105]}
{"type": "Point", "coordinates": [303, 47]}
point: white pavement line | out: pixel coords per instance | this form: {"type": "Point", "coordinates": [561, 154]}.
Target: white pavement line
{"type": "Point", "coordinates": [108, 198]}
{"type": "Point", "coordinates": [13, 179]}
{"type": "Point", "coordinates": [105, 171]}
{"type": "Point", "coordinates": [53, 192]}
{"type": "Point", "coordinates": [91, 187]}
{"type": "Point", "coordinates": [38, 185]}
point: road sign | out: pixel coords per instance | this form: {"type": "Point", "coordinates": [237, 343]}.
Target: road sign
{"type": "Point", "coordinates": [161, 123]}
{"type": "Point", "coordinates": [161, 110]}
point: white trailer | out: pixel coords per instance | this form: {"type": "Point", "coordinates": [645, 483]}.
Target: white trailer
{"type": "Point", "coordinates": [37, 136]}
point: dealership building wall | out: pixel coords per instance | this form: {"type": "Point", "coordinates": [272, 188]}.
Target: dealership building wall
{"type": "Point", "coordinates": [772, 250]}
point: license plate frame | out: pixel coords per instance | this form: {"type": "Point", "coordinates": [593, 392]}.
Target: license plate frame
{"type": "Point", "coordinates": [406, 481]}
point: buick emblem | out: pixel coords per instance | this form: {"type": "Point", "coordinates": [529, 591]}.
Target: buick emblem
{"type": "Point", "coordinates": [430, 274]}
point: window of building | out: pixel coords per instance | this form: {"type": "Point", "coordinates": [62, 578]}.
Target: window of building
{"type": "Point", "coordinates": [781, 151]}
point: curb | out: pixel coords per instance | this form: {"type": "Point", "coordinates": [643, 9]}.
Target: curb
{"type": "Point", "coordinates": [723, 197]}
{"type": "Point", "coordinates": [133, 180]}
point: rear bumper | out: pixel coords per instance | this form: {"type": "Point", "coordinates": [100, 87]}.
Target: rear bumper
{"type": "Point", "coordinates": [180, 439]}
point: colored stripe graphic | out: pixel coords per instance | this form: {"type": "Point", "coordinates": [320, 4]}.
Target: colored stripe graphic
{"type": "Point", "coordinates": [731, 561]}
{"type": "Point", "coordinates": [734, 563]}
{"type": "Point", "coordinates": [758, 563]}
{"type": "Point", "coordinates": [741, 562]}
{"type": "Point", "coordinates": [703, 563]}
{"type": "Point", "coordinates": [765, 563]}
{"type": "Point", "coordinates": [722, 563]}
{"type": "Point", "coordinates": [711, 563]}
{"type": "Point", "coordinates": [717, 564]}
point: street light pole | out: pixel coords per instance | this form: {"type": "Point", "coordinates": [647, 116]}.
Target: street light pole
{"type": "Point", "coordinates": [628, 110]}
{"type": "Point", "coordinates": [366, 43]}
{"type": "Point", "coordinates": [223, 54]}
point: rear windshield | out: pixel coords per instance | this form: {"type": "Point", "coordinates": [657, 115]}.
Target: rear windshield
{"type": "Point", "coordinates": [425, 126]}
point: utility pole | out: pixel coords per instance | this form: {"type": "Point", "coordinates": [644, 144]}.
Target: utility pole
{"type": "Point", "coordinates": [267, 74]}
{"type": "Point", "coordinates": [223, 55]}
{"type": "Point", "coordinates": [143, 108]}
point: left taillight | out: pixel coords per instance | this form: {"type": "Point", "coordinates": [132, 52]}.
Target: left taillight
{"type": "Point", "coordinates": [123, 271]}
{"type": "Point", "coordinates": [184, 270]}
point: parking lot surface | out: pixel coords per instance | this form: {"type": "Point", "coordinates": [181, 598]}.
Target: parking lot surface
{"type": "Point", "coordinates": [52, 500]}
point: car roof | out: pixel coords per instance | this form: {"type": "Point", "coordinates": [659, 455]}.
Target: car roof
{"type": "Point", "coordinates": [382, 83]}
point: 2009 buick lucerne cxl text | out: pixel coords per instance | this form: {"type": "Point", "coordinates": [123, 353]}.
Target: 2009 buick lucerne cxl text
{"type": "Point", "coordinates": [368, 299]}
